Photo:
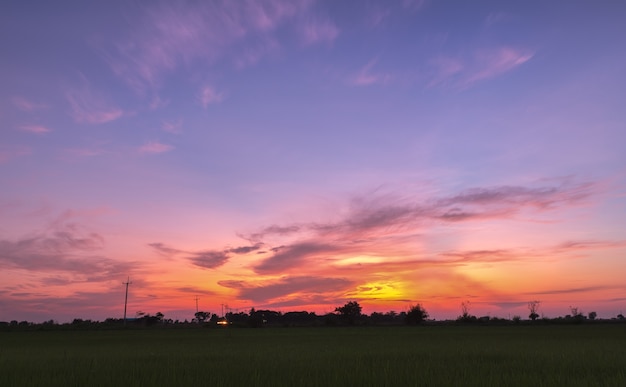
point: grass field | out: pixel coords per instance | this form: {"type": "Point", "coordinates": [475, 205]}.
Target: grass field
{"type": "Point", "coordinates": [568, 355]}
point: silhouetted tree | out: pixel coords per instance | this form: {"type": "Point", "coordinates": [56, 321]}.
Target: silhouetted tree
{"type": "Point", "coordinates": [577, 315]}
{"type": "Point", "coordinates": [416, 314]}
{"type": "Point", "coordinates": [350, 312]}
{"type": "Point", "coordinates": [256, 318]}
{"type": "Point", "coordinates": [465, 313]}
{"type": "Point", "coordinates": [202, 316]}
{"type": "Point", "coordinates": [592, 315]}
{"type": "Point", "coordinates": [533, 307]}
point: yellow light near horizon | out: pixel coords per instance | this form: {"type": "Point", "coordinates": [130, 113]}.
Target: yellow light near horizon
{"type": "Point", "coordinates": [380, 290]}
{"type": "Point", "coordinates": [358, 259]}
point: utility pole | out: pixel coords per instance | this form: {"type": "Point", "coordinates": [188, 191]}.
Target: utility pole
{"type": "Point", "coordinates": [197, 304]}
{"type": "Point", "coordinates": [126, 297]}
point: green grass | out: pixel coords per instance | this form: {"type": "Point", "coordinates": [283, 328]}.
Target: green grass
{"type": "Point", "coordinates": [362, 356]}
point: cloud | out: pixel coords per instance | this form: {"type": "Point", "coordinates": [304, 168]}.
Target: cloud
{"type": "Point", "coordinates": [480, 65]}
{"type": "Point", "coordinates": [208, 259]}
{"type": "Point", "coordinates": [318, 31]}
{"type": "Point", "coordinates": [491, 63]}
{"type": "Point", "coordinates": [39, 129]}
{"type": "Point", "coordinates": [90, 107]}
{"type": "Point", "coordinates": [172, 34]}
{"type": "Point", "coordinates": [195, 291]}
{"type": "Point", "coordinates": [65, 248]}
{"type": "Point", "coordinates": [175, 127]}
{"type": "Point", "coordinates": [572, 290]}
{"type": "Point", "coordinates": [374, 223]}
{"type": "Point", "coordinates": [209, 96]}
{"type": "Point", "coordinates": [302, 286]}
{"type": "Point", "coordinates": [271, 230]}
{"type": "Point", "coordinates": [26, 105]}
{"type": "Point", "coordinates": [293, 255]}
{"type": "Point", "coordinates": [366, 77]}
{"type": "Point", "coordinates": [165, 250]}
{"type": "Point", "coordinates": [245, 249]}
{"type": "Point", "coordinates": [155, 147]}
{"type": "Point", "coordinates": [582, 245]}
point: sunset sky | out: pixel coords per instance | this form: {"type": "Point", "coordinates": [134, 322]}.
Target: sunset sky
{"type": "Point", "coordinates": [296, 155]}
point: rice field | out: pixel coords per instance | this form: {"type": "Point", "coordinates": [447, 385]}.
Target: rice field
{"type": "Point", "coordinates": [571, 355]}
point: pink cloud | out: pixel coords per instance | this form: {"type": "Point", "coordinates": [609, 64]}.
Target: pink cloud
{"type": "Point", "coordinates": [155, 147]}
{"type": "Point", "coordinates": [26, 105]}
{"type": "Point", "coordinates": [491, 63]}
{"type": "Point", "coordinates": [266, 15]}
{"type": "Point", "coordinates": [366, 77]}
{"type": "Point", "coordinates": [481, 65]}
{"type": "Point", "coordinates": [287, 286]}
{"type": "Point", "coordinates": [175, 33]}
{"type": "Point", "coordinates": [90, 107]}
{"type": "Point", "coordinates": [316, 31]}
{"type": "Point", "coordinates": [251, 55]}
{"type": "Point", "coordinates": [209, 96]}
{"type": "Point", "coordinates": [158, 103]}
{"type": "Point", "coordinates": [39, 129]}
{"type": "Point", "coordinates": [381, 225]}
{"type": "Point", "coordinates": [175, 127]}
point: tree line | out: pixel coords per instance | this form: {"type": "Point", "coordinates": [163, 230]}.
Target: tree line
{"type": "Point", "coordinates": [349, 314]}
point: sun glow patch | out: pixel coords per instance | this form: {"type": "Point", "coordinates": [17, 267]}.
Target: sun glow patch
{"type": "Point", "coordinates": [380, 290]}
{"type": "Point", "coordinates": [358, 260]}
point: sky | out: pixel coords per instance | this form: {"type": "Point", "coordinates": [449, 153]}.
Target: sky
{"type": "Point", "coordinates": [296, 155]}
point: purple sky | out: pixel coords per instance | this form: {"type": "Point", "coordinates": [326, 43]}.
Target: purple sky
{"type": "Point", "coordinates": [295, 155]}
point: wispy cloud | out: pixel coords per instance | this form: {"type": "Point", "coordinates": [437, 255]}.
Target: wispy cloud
{"type": "Point", "coordinates": [171, 34]}
{"type": "Point", "coordinates": [293, 256]}
{"type": "Point", "coordinates": [586, 289]}
{"type": "Point", "coordinates": [155, 147]}
{"type": "Point", "coordinates": [491, 63]}
{"type": "Point", "coordinates": [38, 129]}
{"type": "Point", "coordinates": [382, 224]}
{"type": "Point", "coordinates": [206, 259]}
{"type": "Point", "coordinates": [366, 76]}
{"type": "Point", "coordinates": [208, 96]}
{"type": "Point", "coordinates": [90, 107]}
{"type": "Point", "coordinates": [175, 127]}
{"type": "Point", "coordinates": [301, 286]}
{"type": "Point", "coordinates": [319, 31]}
{"type": "Point", "coordinates": [481, 65]}
{"type": "Point", "coordinates": [27, 105]}
{"type": "Point", "coordinates": [65, 248]}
